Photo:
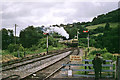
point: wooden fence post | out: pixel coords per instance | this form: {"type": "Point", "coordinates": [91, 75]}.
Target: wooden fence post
{"type": "Point", "coordinates": [85, 61]}
{"type": "Point", "coordinates": [118, 68]}
{"type": "Point", "coordinates": [112, 68]}
{"type": "Point", "coordinates": [18, 53]}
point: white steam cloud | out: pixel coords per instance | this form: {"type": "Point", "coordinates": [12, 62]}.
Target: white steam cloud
{"type": "Point", "coordinates": [60, 30]}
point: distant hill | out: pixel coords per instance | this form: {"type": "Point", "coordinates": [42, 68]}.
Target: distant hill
{"type": "Point", "coordinates": [113, 16]}
{"type": "Point", "coordinates": [110, 17]}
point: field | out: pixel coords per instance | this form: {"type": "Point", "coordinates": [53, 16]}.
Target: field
{"type": "Point", "coordinates": [97, 34]}
{"type": "Point", "coordinates": [112, 25]}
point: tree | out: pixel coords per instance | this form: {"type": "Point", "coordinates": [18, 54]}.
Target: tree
{"type": "Point", "coordinates": [30, 36]}
{"type": "Point", "coordinates": [94, 20]}
{"type": "Point", "coordinates": [109, 40]}
{"type": "Point", "coordinates": [62, 25]}
{"type": "Point", "coordinates": [107, 26]}
{"type": "Point", "coordinates": [15, 47]}
{"type": "Point", "coordinates": [7, 38]}
{"type": "Point", "coordinates": [71, 31]}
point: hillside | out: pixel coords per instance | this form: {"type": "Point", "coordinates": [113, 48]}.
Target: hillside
{"type": "Point", "coordinates": [112, 25]}
{"type": "Point", "coordinates": [112, 16]}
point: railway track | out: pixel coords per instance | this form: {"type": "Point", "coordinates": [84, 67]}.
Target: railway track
{"type": "Point", "coordinates": [49, 71]}
{"type": "Point", "coordinates": [31, 60]}
{"type": "Point", "coordinates": [30, 57]}
{"type": "Point", "coordinates": [29, 67]}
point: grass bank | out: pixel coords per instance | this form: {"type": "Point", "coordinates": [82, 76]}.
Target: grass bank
{"type": "Point", "coordinates": [7, 56]}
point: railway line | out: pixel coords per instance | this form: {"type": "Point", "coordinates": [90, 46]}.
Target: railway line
{"type": "Point", "coordinates": [31, 59]}
{"type": "Point", "coordinates": [26, 68]}
{"type": "Point", "coordinates": [49, 71]}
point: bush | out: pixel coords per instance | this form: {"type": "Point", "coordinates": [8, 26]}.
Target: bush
{"type": "Point", "coordinates": [99, 51]}
{"type": "Point", "coordinates": [21, 48]}
{"type": "Point", "coordinates": [108, 56]}
{"type": "Point", "coordinates": [83, 42]}
{"type": "Point", "coordinates": [60, 45]}
{"type": "Point", "coordinates": [15, 47]}
{"type": "Point", "coordinates": [33, 48]}
{"type": "Point", "coordinates": [51, 42]}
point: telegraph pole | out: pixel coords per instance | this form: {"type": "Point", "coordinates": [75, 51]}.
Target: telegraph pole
{"type": "Point", "coordinates": [15, 40]}
{"type": "Point", "coordinates": [15, 32]}
{"type": "Point", "coordinates": [47, 43]}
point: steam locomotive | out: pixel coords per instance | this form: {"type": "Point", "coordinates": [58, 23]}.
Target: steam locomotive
{"type": "Point", "coordinates": [71, 42]}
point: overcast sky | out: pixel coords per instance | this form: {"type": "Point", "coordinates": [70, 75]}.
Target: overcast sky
{"type": "Point", "coordinates": [49, 13]}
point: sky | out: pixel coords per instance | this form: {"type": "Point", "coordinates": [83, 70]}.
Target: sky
{"type": "Point", "coordinates": [27, 13]}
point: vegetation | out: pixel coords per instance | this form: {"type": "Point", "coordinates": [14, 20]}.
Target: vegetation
{"type": "Point", "coordinates": [15, 47]}
{"type": "Point", "coordinates": [109, 39]}
{"type": "Point", "coordinates": [112, 25]}
{"type": "Point", "coordinates": [104, 53]}
{"type": "Point", "coordinates": [31, 41]}
{"type": "Point", "coordinates": [30, 36]}
{"type": "Point", "coordinates": [17, 51]}
{"type": "Point", "coordinates": [7, 38]}
{"type": "Point", "coordinates": [103, 30]}
{"type": "Point", "coordinates": [109, 17]}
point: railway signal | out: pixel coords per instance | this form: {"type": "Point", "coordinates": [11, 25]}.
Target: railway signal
{"type": "Point", "coordinates": [77, 37]}
{"type": "Point", "coordinates": [86, 31]}
{"type": "Point", "coordinates": [45, 33]}
{"type": "Point", "coordinates": [88, 38]}
{"type": "Point", "coordinates": [47, 40]}
{"type": "Point", "coordinates": [77, 33]}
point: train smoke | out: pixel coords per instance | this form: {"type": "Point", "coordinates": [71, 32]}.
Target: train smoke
{"type": "Point", "coordinates": [60, 30]}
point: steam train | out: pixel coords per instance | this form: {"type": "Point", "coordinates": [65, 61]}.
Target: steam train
{"type": "Point", "coordinates": [71, 42]}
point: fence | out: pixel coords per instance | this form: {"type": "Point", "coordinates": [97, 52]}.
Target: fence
{"type": "Point", "coordinates": [118, 68]}
{"type": "Point", "coordinates": [110, 65]}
